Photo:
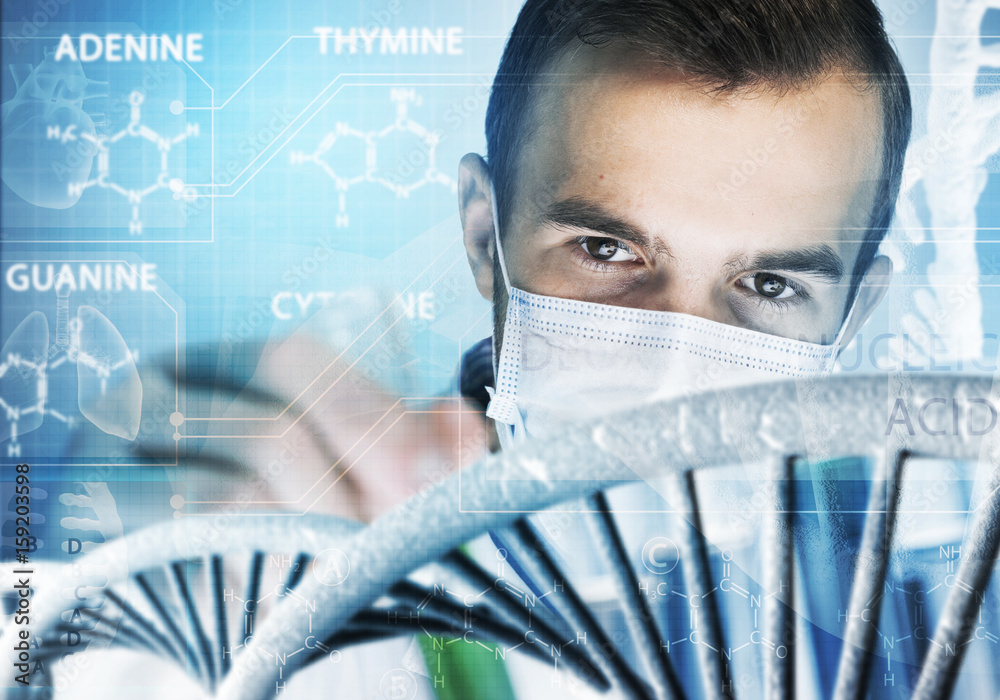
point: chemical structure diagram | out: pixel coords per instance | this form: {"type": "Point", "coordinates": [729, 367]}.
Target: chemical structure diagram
{"type": "Point", "coordinates": [451, 612]}
{"type": "Point", "coordinates": [421, 161]}
{"type": "Point", "coordinates": [313, 645]}
{"type": "Point", "coordinates": [913, 595]}
{"type": "Point", "coordinates": [916, 594]}
{"type": "Point", "coordinates": [448, 615]}
{"type": "Point", "coordinates": [92, 343]}
{"type": "Point", "coordinates": [134, 130]}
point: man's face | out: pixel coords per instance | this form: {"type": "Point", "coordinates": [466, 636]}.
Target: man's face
{"type": "Point", "coordinates": [638, 190]}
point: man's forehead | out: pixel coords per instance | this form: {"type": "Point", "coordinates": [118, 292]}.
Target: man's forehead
{"type": "Point", "coordinates": [617, 80]}
{"type": "Point", "coordinates": [619, 127]}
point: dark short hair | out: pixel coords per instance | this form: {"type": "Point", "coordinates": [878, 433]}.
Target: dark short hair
{"type": "Point", "coordinates": [726, 45]}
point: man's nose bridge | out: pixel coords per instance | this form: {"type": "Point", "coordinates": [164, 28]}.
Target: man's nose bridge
{"type": "Point", "coordinates": [689, 295]}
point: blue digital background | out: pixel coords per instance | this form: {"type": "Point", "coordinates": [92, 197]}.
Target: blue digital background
{"type": "Point", "coordinates": [261, 241]}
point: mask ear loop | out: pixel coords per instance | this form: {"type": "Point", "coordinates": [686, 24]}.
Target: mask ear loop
{"type": "Point", "coordinates": [510, 424]}
{"type": "Point", "coordinates": [496, 238]}
{"type": "Point", "coordinates": [503, 265]}
{"type": "Point", "coordinates": [510, 429]}
{"type": "Point", "coordinates": [838, 342]}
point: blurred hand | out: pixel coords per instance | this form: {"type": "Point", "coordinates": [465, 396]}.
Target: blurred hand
{"type": "Point", "coordinates": [311, 433]}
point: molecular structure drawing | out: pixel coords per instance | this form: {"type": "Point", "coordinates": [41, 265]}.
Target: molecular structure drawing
{"type": "Point", "coordinates": [101, 143]}
{"type": "Point", "coordinates": [455, 607]}
{"type": "Point", "coordinates": [420, 162]}
{"type": "Point", "coordinates": [109, 389]}
{"type": "Point", "coordinates": [913, 631]}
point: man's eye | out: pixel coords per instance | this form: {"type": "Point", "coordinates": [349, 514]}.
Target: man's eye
{"type": "Point", "coordinates": [769, 285]}
{"type": "Point", "coordinates": [608, 249]}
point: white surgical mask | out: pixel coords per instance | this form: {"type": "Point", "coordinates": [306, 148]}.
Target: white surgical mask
{"type": "Point", "coordinates": [565, 361]}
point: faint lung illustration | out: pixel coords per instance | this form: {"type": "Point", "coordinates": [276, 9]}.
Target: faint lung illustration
{"type": "Point", "coordinates": [43, 129]}
{"type": "Point", "coordinates": [109, 391]}
{"type": "Point", "coordinates": [108, 388]}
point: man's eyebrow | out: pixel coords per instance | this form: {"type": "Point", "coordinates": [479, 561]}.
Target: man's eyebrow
{"type": "Point", "coordinates": [821, 261]}
{"type": "Point", "coordinates": [577, 212]}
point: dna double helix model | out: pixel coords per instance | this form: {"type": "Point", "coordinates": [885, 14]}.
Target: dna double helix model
{"type": "Point", "coordinates": [684, 549]}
